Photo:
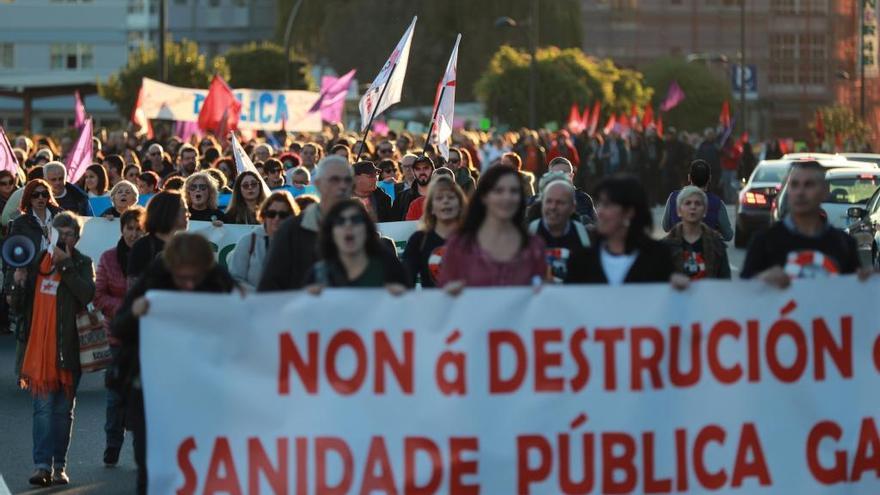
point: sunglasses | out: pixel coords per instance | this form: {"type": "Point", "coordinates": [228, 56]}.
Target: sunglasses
{"type": "Point", "coordinates": [386, 150]}
{"type": "Point", "coordinates": [456, 160]}
{"type": "Point", "coordinates": [5, 183]}
{"type": "Point", "coordinates": [41, 194]}
{"type": "Point", "coordinates": [250, 185]}
{"type": "Point", "coordinates": [197, 187]}
{"type": "Point", "coordinates": [354, 220]}
{"type": "Point", "coordinates": [277, 213]}
{"type": "Point", "coordinates": [153, 154]}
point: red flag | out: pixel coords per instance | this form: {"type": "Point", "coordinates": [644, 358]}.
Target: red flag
{"type": "Point", "coordinates": [220, 110]}
{"type": "Point", "coordinates": [744, 138]}
{"type": "Point", "coordinates": [648, 116]}
{"type": "Point", "coordinates": [623, 123]}
{"type": "Point", "coordinates": [574, 119]}
{"type": "Point", "coordinates": [612, 121]}
{"type": "Point", "coordinates": [594, 116]}
{"type": "Point", "coordinates": [660, 125]}
{"type": "Point", "coordinates": [820, 127]}
{"type": "Point", "coordinates": [724, 118]}
{"type": "Point", "coordinates": [633, 114]}
{"type": "Point", "coordinates": [139, 117]}
{"type": "Point", "coordinates": [585, 119]}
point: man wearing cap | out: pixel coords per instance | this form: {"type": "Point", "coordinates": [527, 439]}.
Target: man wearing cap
{"type": "Point", "coordinates": [423, 169]}
{"type": "Point", "coordinates": [366, 190]}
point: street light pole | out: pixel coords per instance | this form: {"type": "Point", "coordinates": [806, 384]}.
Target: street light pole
{"type": "Point", "coordinates": [861, 35]}
{"type": "Point", "coordinates": [163, 62]}
{"type": "Point", "coordinates": [742, 64]}
{"type": "Point", "coordinates": [287, 34]}
{"type": "Point", "coordinates": [533, 67]}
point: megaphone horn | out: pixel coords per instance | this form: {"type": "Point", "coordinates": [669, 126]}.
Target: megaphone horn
{"type": "Point", "coordinates": [18, 251]}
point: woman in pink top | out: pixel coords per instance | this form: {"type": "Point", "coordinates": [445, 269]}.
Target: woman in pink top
{"type": "Point", "coordinates": [493, 248]}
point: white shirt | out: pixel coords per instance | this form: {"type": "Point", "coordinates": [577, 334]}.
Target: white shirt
{"type": "Point", "coordinates": [46, 226]}
{"type": "Point", "coordinates": [616, 267]}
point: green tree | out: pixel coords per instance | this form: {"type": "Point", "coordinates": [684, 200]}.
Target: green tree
{"type": "Point", "coordinates": [841, 121]}
{"type": "Point", "coordinates": [705, 91]}
{"type": "Point", "coordinates": [262, 66]}
{"type": "Point", "coordinates": [565, 77]}
{"type": "Point", "coordinates": [327, 30]}
{"type": "Point", "coordinates": [186, 67]}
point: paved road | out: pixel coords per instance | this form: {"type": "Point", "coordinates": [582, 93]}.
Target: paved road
{"type": "Point", "coordinates": [87, 473]}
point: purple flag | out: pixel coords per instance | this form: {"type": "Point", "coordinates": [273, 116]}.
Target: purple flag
{"type": "Point", "coordinates": [185, 130]}
{"type": "Point", "coordinates": [332, 98]}
{"type": "Point", "coordinates": [674, 96]}
{"type": "Point", "coordinates": [81, 155]}
{"type": "Point", "coordinates": [7, 157]}
{"type": "Point", "coordinates": [79, 111]}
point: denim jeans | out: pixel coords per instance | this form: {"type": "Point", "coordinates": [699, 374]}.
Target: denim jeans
{"type": "Point", "coordinates": [53, 422]}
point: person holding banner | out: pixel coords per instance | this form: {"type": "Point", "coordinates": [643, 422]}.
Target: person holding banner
{"type": "Point", "coordinates": [187, 264]}
{"type": "Point", "coordinates": [444, 211]}
{"type": "Point", "coordinates": [58, 284]}
{"type": "Point", "coordinates": [352, 254]}
{"type": "Point", "coordinates": [493, 247]}
{"type": "Point", "coordinates": [111, 285]}
{"type": "Point", "coordinates": [166, 215]}
{"type": "Point", "coordinates": [293, 251]}
{"type": "Point", "coordinates": [625, 252]}
{"type": "Point", "coordinates": [124, 195]}
{"type": "Point", "coordinates": [201, 198]}
{"type": "Point", "coordinates": [249, 256]}
{"type": "Point", "coordinates": [247, 195]}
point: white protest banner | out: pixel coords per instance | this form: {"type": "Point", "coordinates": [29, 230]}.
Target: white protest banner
{"type": "Point", "coordinates": [100, 234]}
{"type": "Point", "coordinates": [261, 109]}
{"type": "Point", "coordinates": [729, 387]}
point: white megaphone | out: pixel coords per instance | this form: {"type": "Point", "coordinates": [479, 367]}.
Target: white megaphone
{"type": "Point", "coordinates": [18, 251]}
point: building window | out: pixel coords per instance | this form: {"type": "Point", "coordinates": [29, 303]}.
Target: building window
{"type": "Point", "coordinates": [135, 6]}
{"type": "Point", "coordinates": [7, 55]}
{"type": "Point", "coordinates": [790, 7]}
{"type": "Point", "coordinates": [239, 3]}
{"type": "Point", "coordinates": [71, 56]}
{"type": "Point", "coordinates": [799, 59]}
{"type": "Point", "coordinates": [213, 3]}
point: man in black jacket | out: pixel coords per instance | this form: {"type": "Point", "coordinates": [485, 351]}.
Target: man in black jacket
{"type": "Point", "coordinates": [803, 244]}
{"type": "Point", "coordinates": [366, 190]}
{"type": "Point", "coordinates": [68, 196]}
{"type": "Point", "coordinates": [294, 248]}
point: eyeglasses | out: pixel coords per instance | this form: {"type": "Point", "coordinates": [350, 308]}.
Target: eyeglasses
{"type": "Point", "coordinates": [153, 153]}
{"type": "Point", "coordinates": [40, 194]}
{"type": "Point", "coordinates": [455, 160]}
{"type": "Point", "coordinates": [277, 213]}
{"type": "Point", "coordinates": [250, 185]}
{"type": "Point", "coordinates": [386, 150]}
{"type": "Point", "coordinates": [354, 220]}
{"type": "Point", "coordinates": [198, 187]}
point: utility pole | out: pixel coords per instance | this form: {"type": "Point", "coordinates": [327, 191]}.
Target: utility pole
{"type": "Point", "coordinates": [861, 35]}
{"type": "Point", "coordinates": [742, 65]}
{"type": "Point", "coordinates": [533, 67]}
{"type": "Point", "coordinates": [288, 31]}
{"type": "Point", "coordinates": [163, 63]}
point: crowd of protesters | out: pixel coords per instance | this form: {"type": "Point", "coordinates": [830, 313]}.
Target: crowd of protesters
{"type": "Point", "coordinates": [502, 209]}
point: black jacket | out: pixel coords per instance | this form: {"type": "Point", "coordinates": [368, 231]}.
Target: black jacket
{"type": "Point", "coordinates": [28, 226]}
{"type": "Point", "coordinates": [293, 251]}
{"type": "Point", "coordinates": [404, 200]}
{"type": "Point", "coordinates": [653, 264]}
{"type": "Point", "coordinates": [334, 274]}
{"type": "Point", "coordinates": [75, 200]}
{"type": "Point", "coordinates": [714, 251]}
{"type": "Point", "coordinates": [382, 206]}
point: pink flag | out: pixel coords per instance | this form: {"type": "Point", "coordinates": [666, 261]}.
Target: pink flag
{"type": "Point", "coordinates": [186, 130]}
{"type": "Point", "coordinates": [81, 155]}
{"type": "Point", "coordinates": [7, 157]}
{"type": "Point", "coordinates": [332, 98]}
{"type": "Point", "coordinates": [79, 111]}
{"type": "Point", "coordinates": [674, 96]}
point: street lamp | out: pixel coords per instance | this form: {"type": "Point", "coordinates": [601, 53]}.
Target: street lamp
{"type": "Point", "coordinates": [531, 22]}
{"type": "Point", "coordinates": [287, 33]}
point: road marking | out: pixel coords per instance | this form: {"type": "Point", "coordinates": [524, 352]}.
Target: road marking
{"type": "Point", "coordinates": [4, 490]}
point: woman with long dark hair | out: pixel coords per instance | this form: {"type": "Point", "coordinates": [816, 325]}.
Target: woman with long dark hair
{"type": "Point", "coordinates": [493, 247]}
{"type": "Point", "coordinates": [248, 193]}
{"type": "Point", "coordinates": [352, 254]}
{"type": "Point", "coordinates": [95, 181]}
{"type": "Point", "coordinates": [625, 252]}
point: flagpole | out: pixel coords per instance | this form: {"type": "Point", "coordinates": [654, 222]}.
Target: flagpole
{"type": "Point", "coordinates": [373, 114]}
{"type": "Point", "coordinates": [433, 121]}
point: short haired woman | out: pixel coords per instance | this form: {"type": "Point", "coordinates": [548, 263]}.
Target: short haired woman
{"type": "Point", "coordinates": [697, 250]}
{"type": "Point", "coordinates": [48, 294]}
{"type": "Point", "coordinates": [249, 256]}
{"type": "Point", "coordinates": [124, 195]}
{"type": "Point", "coordinates": [166, 215]}
{"type": "Point", "coordinates": [201, 197]}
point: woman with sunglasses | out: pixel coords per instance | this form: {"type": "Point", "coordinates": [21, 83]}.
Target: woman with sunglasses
{"type": "Point", "coordinates": [249, 256]}
{"type": "Point", "coordinates": [201, 198]}
{"type": "Point", "coordinates": [460, 165]}
{"type": "Point", "coordinates": [248, 194]}
{"type": "Point", "coordinates": [124, 195]}
{"type": "Point", "coordinates": [95, 182]}
{"type": "Point", "coordinates": [352, 254]}
{"type": "Point", "coordinates": [37, 209]}
{"type": "Point", "coordinates": [131, 173]}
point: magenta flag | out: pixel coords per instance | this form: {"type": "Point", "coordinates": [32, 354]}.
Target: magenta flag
{"type": "Point", "coordinates": [7, 157]}
{"type": "Point", "coordinates": [185, 130]}
{"type": "Point", "coordinates": [332, 98]}
{"type": "Point", "coordinates": [81, 155]}
{"type": "Point", "coordinates": [79, 111]}
{"type": "Point", "coordinates": [674, 96]}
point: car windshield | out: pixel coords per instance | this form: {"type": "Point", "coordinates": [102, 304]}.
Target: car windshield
{"type": "Point", "coordinates": [770, 173]}
{"type": "Point", "coordinates": [852, 190]}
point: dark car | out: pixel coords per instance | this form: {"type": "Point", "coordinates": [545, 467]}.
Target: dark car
{"type": "Point", "coordinates": [753, 208]}
{"type": "Point", "coordinates": [865, 228]}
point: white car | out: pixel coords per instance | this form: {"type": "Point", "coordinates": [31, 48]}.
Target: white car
{"type": "Point", "coordinates": [848, 188]}
{"type": "Point", "coordinates": [819, 157]}
{"type": "Point", "coordinates": [862, 157]}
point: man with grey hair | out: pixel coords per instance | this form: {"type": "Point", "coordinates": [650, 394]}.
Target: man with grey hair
{"type": "Point", "coordinates": [69, 196]}
{"type": "Point", "coordinates": [153, 160]}
{"type": "Point", "coordinates": [562, 235]}
{"type": "Point", "coordinates": [294, 248]}
{"type": "Point", "coordinates": [262, 152]}
{"type": "Point", "coordinates": [585, 208]}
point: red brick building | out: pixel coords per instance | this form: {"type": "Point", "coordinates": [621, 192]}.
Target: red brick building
{"type": "Point", "coordinates": [804, 50]}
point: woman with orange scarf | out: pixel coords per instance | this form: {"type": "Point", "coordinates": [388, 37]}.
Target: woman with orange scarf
{"type": "Point", "coordinates": [48, 294]}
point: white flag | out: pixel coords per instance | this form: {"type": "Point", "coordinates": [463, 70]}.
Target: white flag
{"type": "Point", "coordinates": [243, 162]}
{"type": "Point", "coordinates": [391, 75]}
{"type": "Point", "coordinates": [444, 107]}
